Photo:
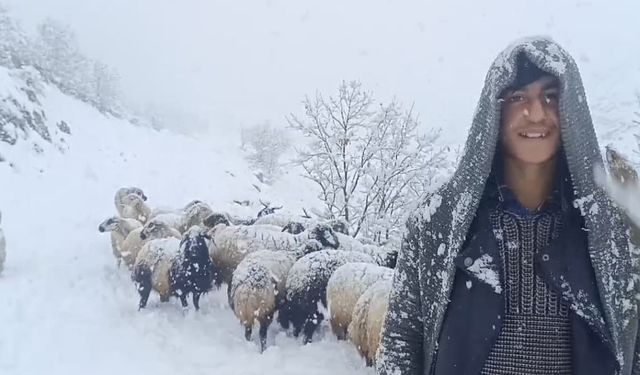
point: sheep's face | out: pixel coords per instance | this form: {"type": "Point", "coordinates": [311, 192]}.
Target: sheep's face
{"type": "Point", "coordinates": [294, 227]}
{"type": "Point", "coordinates": [138, 192]}
{"type": "Point", "coordinates": [194, 202]}
{"type": "Point", "coordinates": [215, 219]}
{"type": "Point", "coordinates": [195, 244]}
{"type": "Point", "coordinates": [132, 200]}
{"type": "Point", "coordinates": [155, 229]}
{"type": "Point", "coordinates": [309, 247]}
{"type": "Point", "coordinates": [340, 226]}
{"type": "Point", "coordinates": [391, 258]}
{"type": "Point", "coordinates": [197, 213]}
{"type": "Point", "coordinates": [325, 235]}
{"type": "Point", "coordinates": [109, 225]}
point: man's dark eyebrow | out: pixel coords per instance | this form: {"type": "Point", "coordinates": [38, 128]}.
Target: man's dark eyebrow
{"type": "Point", "coordinates": [553, 84]}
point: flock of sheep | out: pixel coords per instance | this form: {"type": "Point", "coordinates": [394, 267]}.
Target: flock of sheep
{"type": "Point", "coordinates": [290, 268]}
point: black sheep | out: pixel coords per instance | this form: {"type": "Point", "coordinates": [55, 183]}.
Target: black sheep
{"type": "Point", "coordinates": [192, 272]}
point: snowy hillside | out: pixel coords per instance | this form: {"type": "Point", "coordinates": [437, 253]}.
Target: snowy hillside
{"type": "Point", "coordinates": [66, 308]}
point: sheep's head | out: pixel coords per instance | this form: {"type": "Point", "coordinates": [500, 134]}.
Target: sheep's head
{"type": "Point", "coordinates": [267, 210]}
{"type": "Point", "coordinates": [133, 200]}
{"type": "Point", "coordinates": [131, 190]}
{"type": "Point", "coordinates": [389, 258]}
{"type": "Point", "coordinates": [195, 243]}
{"type": "Point", "coordinates": [138, 192]}
{"type": "Point", "coordinates": [308, 247]}
{"type": "Point", "coordinates": [215, 219]}
{"type": "Point", "coordinates": [192, 203]}
{"type": "Point", "coordinates": [196, 213]}
{"type": "Point", "coordinates": [324, 234]}
{"type": "Point", "coordinates": [339, 226]}
{"type": "Point", "coordinates": [294, 227]}
{"type": "Point", "coordinates": [157, 229]}
{"type": "Point", "coordinates": [109, 225]}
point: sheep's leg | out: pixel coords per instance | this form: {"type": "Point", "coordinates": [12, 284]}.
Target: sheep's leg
{"type": "Point", "coordinates": [164, 298]}
{"type": "Point", "coordinates": [183, 300]}
{"type": "Point", "coordinates": [196, 300]}
{"type": "Point", "coordinates": [283, 316]}
{"type": "Point", "coordinates": [142, 277]}
{"type": "Point", "coordinates": [310, 326]}
{"type": "Point", "coordinates": [144, 296]}
{"type": "Point", "coordinates": [247, 332]}
{"type": "Point", "coordinates": [369, 362]}
{"type": "Point", "coordinates": [296, 330]}
{"type": "Point", "coordinates": [264, 327]}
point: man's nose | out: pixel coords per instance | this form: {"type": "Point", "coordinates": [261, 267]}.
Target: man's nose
{"type": "Point", "coordinates": [536, 112]}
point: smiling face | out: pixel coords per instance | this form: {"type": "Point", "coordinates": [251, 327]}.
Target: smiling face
{"type": "Point", "coordinates": [530, 128]}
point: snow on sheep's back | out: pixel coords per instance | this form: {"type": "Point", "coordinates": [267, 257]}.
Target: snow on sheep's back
{"type": "Point", "coordinates": [66, 308]}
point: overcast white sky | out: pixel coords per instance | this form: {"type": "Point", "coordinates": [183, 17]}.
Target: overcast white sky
{"type": "Point", "coordinates": [236, 63]}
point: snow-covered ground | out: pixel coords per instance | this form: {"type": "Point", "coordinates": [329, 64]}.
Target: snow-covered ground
{"type": "Point", "coordinates": [67, 309]}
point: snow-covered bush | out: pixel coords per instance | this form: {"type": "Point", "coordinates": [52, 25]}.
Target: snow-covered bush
{"type": "Point", "coordinates": [265, 146]}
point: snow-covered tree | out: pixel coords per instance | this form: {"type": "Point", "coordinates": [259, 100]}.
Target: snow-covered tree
{"type": "Point", "coordinates": [105, 89]}
{"type": "Point", "coordinates": [371, 164]}
{"type": "Point", "coordinates": [15, 48]}
{"type": "Point", "coordinates": [265, 145]}
{"type": "Point", "coordinates": [59, 59]}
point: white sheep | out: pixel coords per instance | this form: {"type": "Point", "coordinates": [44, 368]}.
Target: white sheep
{"type": "Point", "coordinates": [152, 266]}
{"type": "Point", "coordinates": [216, 218]}
{"type": "Point", "coordinates": [345, 287]}
{"type": "Point", "coordinates": [3, 245]}
{"type": "Point", "coordinates": [195, 213]}
{"type": "Point", "coordinates": [232, 243]}
{"type": "Point", "coordinates": [280, 220]}
{"type": "Point", "coordinates": [120, 229]}
{"type": "Point", "coordinates": [134, 207]}
{"type": "Point", "coordinates": [383, 256]}
{"type": "Point", "coordinates": [257, 288]}
{"type": "Point", "coordinates": [307, 286]}
{"type": "Point", "coordinates": [123, 192]}
{"type": "Point", "coordinates": [138, 237]}
{"type": "Point", "coordinates": [161, 244]}
{"type": "Point", "coordinates": [368, 319]}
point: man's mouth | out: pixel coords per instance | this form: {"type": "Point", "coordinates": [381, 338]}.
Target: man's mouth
{"type": "Point", "coordinates": [534, 134]}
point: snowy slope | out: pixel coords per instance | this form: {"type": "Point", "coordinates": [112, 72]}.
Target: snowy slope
{"type": "Point", "coordinates": [67, 309]}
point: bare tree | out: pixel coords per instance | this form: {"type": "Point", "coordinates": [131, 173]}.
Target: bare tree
{"type": "Point", "coordinates": [367, 162]}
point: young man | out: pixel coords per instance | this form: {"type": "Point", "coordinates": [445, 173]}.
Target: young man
{"type": "Point", "coordinates": [520, 264]}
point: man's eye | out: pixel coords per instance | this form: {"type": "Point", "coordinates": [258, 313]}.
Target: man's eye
{"type": "Point", "coordinates": [551, 97]}
{"type": "Point", "coordinates": [515, 98]}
